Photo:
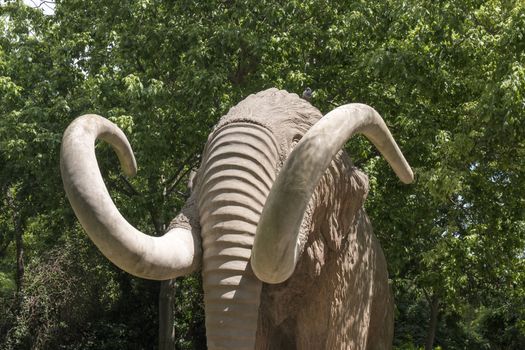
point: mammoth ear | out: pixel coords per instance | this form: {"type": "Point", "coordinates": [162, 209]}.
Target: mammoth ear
{"type": "Point", "coordinates": [276, 248]}
{"type": "Point", "coordinates": [191, 180]}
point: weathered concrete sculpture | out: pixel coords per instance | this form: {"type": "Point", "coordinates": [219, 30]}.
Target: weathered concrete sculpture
{"type": "Point", "coordinates": [275, 222]}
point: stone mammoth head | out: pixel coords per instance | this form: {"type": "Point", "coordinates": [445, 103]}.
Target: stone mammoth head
{"type": "Point", "coordinates": [275, 214]}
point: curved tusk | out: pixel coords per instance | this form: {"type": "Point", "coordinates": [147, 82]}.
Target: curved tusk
{"type": "Point", "coordinates": [276, 246]}
{"type": "Point", "coordinates": [159, 258]}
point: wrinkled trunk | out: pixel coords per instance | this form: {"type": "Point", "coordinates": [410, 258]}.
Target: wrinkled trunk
{"type": "Point", "coordinates": [239, 170]}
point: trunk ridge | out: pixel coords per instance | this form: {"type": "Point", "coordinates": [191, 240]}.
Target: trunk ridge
{"type": "Point", "coordinates": [240, 165]}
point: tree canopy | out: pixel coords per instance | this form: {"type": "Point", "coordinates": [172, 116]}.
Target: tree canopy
{"type": "Point", "coordinates": [447, 76]}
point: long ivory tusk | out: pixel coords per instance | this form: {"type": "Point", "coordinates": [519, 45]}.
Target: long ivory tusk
{"type": "Point", "coordinates": [276, 246]}
{"type": "Point", "coordinates": [169, 256]}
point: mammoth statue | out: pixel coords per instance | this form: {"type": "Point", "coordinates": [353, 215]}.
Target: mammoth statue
{"type": "Point", "coordinates": [275, 223]}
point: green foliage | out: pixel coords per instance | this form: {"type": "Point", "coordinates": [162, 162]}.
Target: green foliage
{"type": "Point", "coordinates": [73, 299]}
{"type": "Point", "coordinates": [503, 327]}
{"type": "Point", "coordinates": [458, 234]}
{"type": "Point", "coordinates": [7, 285]}
{"type": "Point", "coordinates": [189, 325]}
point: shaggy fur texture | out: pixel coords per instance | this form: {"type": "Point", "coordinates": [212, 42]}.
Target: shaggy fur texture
{"type": "Point", "coordinates": [338, 297]}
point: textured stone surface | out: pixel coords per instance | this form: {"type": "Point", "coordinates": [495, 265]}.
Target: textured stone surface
{"type": "Point", "coordinates": [337, 296]}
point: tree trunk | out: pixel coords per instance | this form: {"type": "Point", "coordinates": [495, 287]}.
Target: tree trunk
{"type": "Point", "coordinates": [167, 315]}
{"type": "Point", "coordinates": [433, 321]}
{"type": "Point", "coordinates": [167, 288]}
{"type": "Point", "coordinates": [19, 242]}
{"type": "Point", "coordinates": [19, 260]}
{"type": "Point", "coordinates": [166, 298]}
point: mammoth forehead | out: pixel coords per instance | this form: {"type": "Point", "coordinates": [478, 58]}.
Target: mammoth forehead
{"type": "Point", "coordinates": [286, 115]}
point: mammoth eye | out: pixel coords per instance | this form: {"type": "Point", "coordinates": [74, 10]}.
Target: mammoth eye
{"type": "Point", "coordinates": [295, 139]}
